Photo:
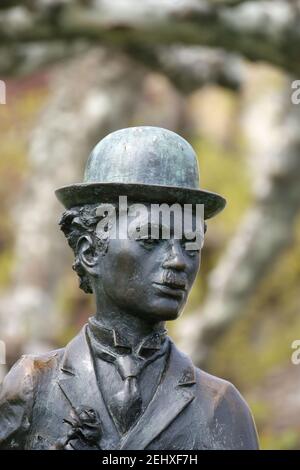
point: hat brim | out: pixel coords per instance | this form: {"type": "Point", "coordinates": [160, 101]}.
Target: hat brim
{"type": "Point", "coordinates": [90, 193]}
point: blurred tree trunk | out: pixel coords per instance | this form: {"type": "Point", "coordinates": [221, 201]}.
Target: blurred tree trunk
{"type": "Point", "coordinates": [259, 30]}
{"type": "Point", "coordinates": [271, 125]}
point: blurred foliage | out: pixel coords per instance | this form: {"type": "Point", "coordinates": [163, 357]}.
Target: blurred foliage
{"type": "Point", "coordinates": [17, 118]}
{"type": "Point", "coordinates": [224, 171]}
{"type": "Point", "coordinates": [219, 144]}
{"type": "Point", "coordinates": [259, 342]}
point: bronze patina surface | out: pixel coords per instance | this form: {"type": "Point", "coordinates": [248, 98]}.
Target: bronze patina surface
{"type": "Point", "coordinates": [121, 383]}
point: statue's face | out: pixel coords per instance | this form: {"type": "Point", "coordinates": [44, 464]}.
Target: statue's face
{"type": "Point", "coordinates": [146, 277]}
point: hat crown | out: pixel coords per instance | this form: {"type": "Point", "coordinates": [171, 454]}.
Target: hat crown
{"type": "Point", "coordinates": [143, 155]}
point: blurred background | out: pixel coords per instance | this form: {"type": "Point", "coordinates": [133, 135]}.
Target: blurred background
{"type": "Point", "coordinates": [219, 73]}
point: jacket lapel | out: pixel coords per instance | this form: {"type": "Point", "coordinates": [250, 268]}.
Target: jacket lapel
{"type": "Point", "coordinates": [173, 394]}
{"type": "Point", "coordinates": [77, 382]}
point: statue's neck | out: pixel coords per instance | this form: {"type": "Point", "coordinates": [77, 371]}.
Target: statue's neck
{"type": "Point", "coordinates": [135, 329]}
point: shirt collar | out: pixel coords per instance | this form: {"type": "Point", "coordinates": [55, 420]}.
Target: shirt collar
{"type": "Point", "coordinates": [113, 338]}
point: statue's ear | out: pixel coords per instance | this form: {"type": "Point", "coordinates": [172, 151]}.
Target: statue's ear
{"type": "Point", "coordinates": [86, 253]}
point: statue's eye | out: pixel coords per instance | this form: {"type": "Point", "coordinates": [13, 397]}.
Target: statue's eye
{"type": "Point", "coordinates": [192, 252]}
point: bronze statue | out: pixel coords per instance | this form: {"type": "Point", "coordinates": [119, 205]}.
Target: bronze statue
{"type": "Point", "coordinates": [122, 383]}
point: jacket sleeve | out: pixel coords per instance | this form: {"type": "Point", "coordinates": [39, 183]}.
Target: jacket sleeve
{"type": "Point", "coordinates": [233, 422]}
{"type": "Point", "coordinates": [16, 402]}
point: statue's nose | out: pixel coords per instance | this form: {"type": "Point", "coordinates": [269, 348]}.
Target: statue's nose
{"type": "Point", "coordinates": [175, 257]}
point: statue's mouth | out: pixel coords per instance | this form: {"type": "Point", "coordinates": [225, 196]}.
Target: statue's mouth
{"type": "Point", "coordinates": [172, 289]}
{"type": "Point", "coordinates": [174, 280]}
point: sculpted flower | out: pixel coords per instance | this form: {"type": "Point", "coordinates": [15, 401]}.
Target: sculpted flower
{"type": "Point", "coordinates": [85, 431]}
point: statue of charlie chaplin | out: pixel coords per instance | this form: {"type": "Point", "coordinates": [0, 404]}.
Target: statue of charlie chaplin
{"type": "Point", "coordinates": [121, 383]}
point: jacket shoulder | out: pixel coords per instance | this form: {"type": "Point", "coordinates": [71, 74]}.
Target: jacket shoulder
{"type": "Point", "coordinates": [17, 393]}
{"type": "Point", "coordinates": [36, 363]}
{"type": "Point", "coordinates": [232, 421]}
{"type": "Point", "coordinates": [214, 386]}
{"type": "Point", "coordinates": [31, 367]}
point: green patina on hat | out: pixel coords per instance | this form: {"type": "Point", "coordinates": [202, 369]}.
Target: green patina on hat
{"type": "Point", "coordinates": [146, 164]}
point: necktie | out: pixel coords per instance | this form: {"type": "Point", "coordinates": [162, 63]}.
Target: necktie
{"type": "Point", "coordinates": [126, 405]}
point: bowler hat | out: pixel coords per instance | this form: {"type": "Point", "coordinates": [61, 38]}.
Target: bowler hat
{"type": "Point", "coordinates": [146, 164]}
